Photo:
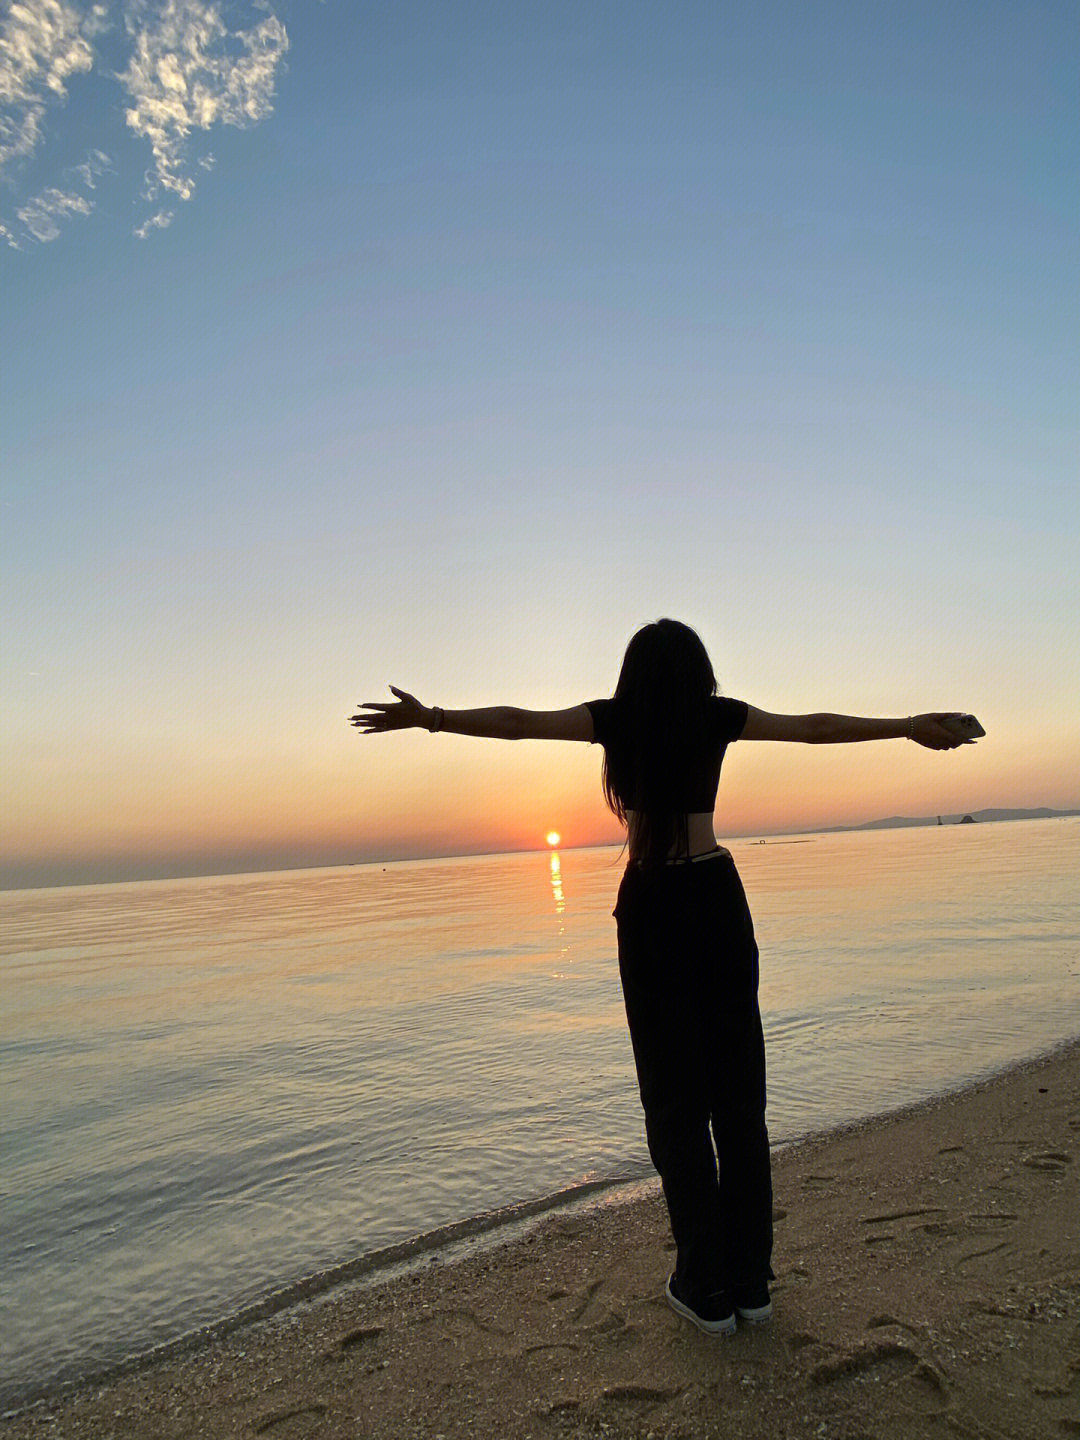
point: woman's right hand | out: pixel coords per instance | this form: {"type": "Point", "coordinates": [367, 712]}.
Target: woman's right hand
{"type": "Point", "coordinates": [406, 713]}
{"type": "Point", "coordinates": [928, 730]}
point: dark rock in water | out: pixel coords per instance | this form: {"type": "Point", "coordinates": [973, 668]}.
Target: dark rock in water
{"type": "Point", "coordinates": [968, 820]}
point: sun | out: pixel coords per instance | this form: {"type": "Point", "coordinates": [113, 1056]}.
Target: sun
{"type": "Point", "coordinates": [553, 837]}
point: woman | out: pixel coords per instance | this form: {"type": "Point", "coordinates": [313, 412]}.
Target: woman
{"type": "Point", "coordinates": [688, 959]}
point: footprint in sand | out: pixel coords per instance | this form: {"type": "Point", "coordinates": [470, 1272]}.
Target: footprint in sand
{"type": "Point", "coordinates": [585, 1299]}
{"type": "Point", "coordinates": [454, 1314]}
{"type": "Point", "coordinates": [351, 1343]}
{"type": "Point", "coordinates": [991, 1222]}
{"type": "Point", "coordinates": [887, 1362]}
{"type": "Point", "coordinates": [560, 1408]}
{"type": "Point", "coordinates": [568, 1229]}
{"type": "Point", "coordinates": [1047, 1160]}
{"type": "Point", "coordinates": [801, 1339]}
{"type": "Point", "coordinates": [641, 1394]}
{"type": "Point", "coordinates": [879, 1322]}
{"type": "Point", "coordinates": [979, 1254]}
{"type": "Point", "coordinates": [292, 1424]}
{"type": "Point", "coordinates": [358, 1337]}
{"type": "Point", "coordinates": [902, 1215]}
{"type": "Point", "coordinates": [549, 1346]}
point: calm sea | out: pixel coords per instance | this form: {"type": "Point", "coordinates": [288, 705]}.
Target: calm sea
{"type": "Point", "coordinates": [216, 1087]}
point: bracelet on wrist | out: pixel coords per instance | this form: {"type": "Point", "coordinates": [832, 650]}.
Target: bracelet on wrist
{"type": "Point", "coordinates": [437, 717]}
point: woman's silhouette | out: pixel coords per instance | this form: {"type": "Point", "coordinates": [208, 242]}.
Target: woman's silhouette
{"type": "Point", "coordinates": [688, 958]}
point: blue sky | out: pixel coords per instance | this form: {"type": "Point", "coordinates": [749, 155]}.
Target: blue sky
{"type": "Point", "coordinates": [444, 345]}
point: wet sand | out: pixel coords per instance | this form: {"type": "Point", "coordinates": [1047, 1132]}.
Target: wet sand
{"type": "Point", "coordinates": [928, 1285]}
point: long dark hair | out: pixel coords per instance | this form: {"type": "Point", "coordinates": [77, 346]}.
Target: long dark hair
{"type": "Point", "coordinates": [664, 688]}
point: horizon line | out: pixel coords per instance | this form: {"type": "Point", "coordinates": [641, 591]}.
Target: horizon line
{"type": "Point", "coordinates": [890, 821]}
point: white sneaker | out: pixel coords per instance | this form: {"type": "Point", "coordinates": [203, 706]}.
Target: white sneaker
{"type": "Point", "coordinates": [714, 1315]}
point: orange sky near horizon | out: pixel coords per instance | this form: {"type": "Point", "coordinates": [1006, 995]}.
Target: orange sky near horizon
{"type": "Point", "coordinates": [364, 798]}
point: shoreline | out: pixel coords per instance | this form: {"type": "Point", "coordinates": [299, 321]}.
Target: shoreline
{"type": "Point", "coordinates": [486, 1230]}
{"type": "Point", "coordinates": [500, 1240]}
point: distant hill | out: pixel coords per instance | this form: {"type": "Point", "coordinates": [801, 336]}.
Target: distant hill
{"type": "Point", "coordinates": [896, 822]}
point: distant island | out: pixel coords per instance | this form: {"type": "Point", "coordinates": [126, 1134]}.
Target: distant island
{"type": "Point", "coordinates": [896, 822]}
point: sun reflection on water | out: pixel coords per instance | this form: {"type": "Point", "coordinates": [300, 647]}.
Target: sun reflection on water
{"type": "Point", "coordinates": [556, 884]}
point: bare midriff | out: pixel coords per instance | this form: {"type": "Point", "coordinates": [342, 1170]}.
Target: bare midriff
{"type": "Point", "coordinates": [699, 835]}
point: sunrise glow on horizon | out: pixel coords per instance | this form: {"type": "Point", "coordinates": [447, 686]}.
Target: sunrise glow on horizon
{"type": "Point", "coordinates": [447, 347]}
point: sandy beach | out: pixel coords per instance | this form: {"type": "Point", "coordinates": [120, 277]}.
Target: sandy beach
{"type": "Point", "coordinates": [928, 1283]}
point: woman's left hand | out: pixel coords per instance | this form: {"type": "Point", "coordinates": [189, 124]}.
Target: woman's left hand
{"type": "Point", "coordinates": [406, 713]}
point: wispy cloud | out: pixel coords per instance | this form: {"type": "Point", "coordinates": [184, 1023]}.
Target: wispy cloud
{"type": "Point", "coordinates": [161, 221]}
{"type": "Point", "coordinates": [96, 164]}
{"type": "Point", "coordinates": [187, 71]}
{"type": "Point", "coordinates": [42, 44]}
{"type": "Point", "coordinates": [42, 215]}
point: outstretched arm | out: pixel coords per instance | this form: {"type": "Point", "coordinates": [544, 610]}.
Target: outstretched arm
{"type": "Point", "coordinates": [496, 722]}
{"type": "Point", "coordinates": [825, 729]}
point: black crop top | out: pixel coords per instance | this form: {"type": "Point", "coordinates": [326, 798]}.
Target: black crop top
{"type": "Point", "coordinates": [702, 776]}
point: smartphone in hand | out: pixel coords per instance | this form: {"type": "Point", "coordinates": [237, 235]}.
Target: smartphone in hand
{"type": "Point", "coordinates": [964, 727]}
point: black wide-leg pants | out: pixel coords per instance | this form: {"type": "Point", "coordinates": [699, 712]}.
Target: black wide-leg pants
{"type": "Point", "coordinates": [689, 966]}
